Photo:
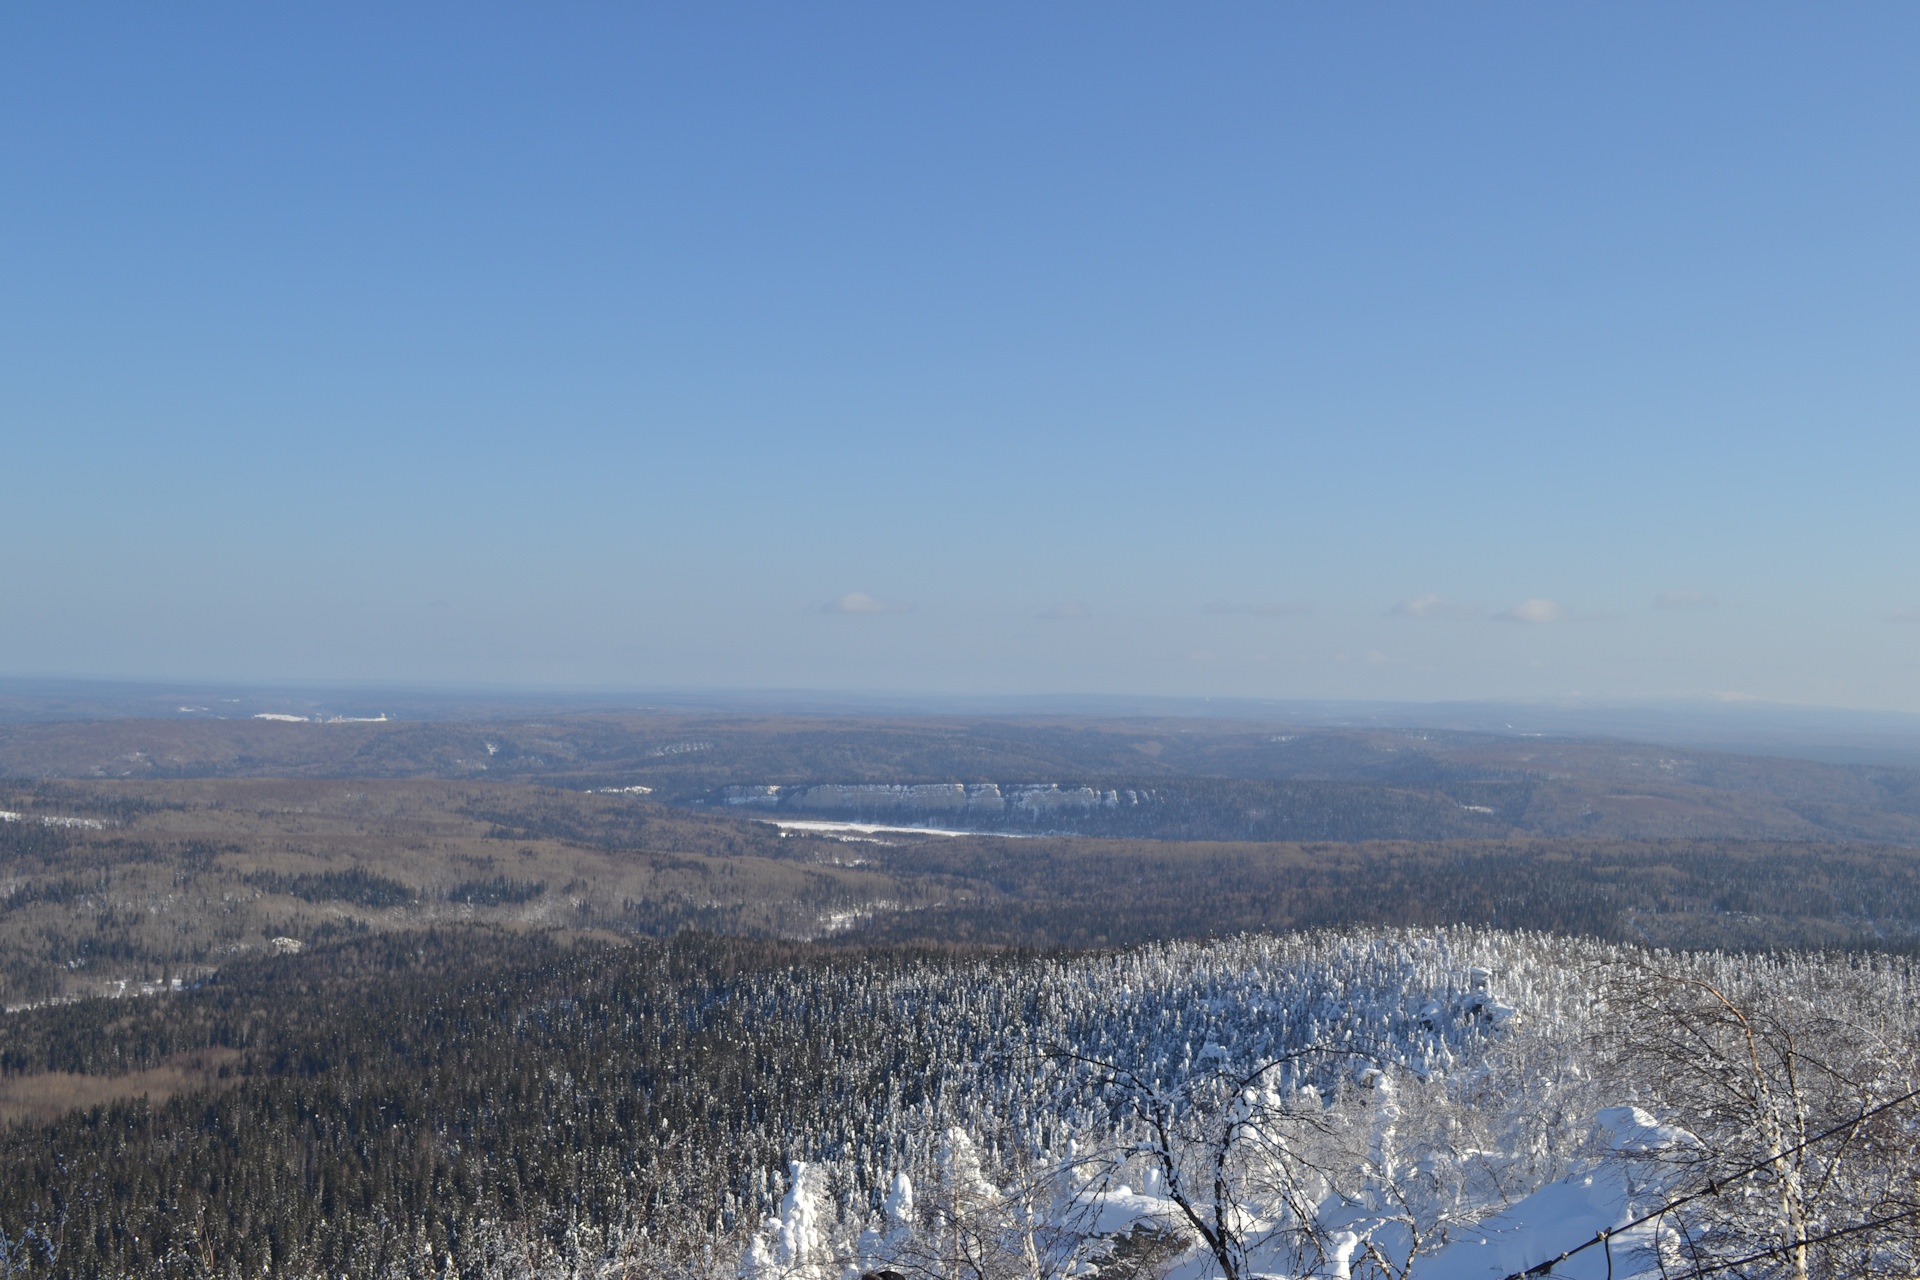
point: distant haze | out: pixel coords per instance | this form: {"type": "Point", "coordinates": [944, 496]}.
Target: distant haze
{"type": "Point", "coordinates": [1469, 355]}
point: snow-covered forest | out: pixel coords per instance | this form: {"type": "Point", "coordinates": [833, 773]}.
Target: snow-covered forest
{"type": "Point", "coordinates": [1445, 1105]}
{"type": "Point", "coordinates": [1451, 1105]}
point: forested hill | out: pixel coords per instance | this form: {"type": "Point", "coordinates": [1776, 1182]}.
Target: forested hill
{"type": "Point", "coordinates": [112, 887]}
{"type": "Point", "coordinates": [486, 1105]}
{"type": "Point", "coordinates": [1195, 779]}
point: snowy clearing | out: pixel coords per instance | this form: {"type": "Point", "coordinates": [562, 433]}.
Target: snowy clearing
{"type": "Point", "coordinates": [54, 820]}
{"type": "Point", "coordinates": [875, 828]}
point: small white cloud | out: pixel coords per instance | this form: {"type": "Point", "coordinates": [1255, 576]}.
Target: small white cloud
{"type": "Point", "coordinates": [1432, 606]}
{"type": "Point", "coordinates": [1685, 598]}
{"type": "Point", "coordinates": [1379, 659]}
{"type": "Point", "coordinates": [1538, 610]}
{"type": "Point", "coordinates": [1071, 609]}
{"type": "Point", "coordinates": [1272, 609]}
{"type": "Point", "coordinates": [1735, 695]}
{"type": "Point", "coordinates": [1904, 615]}
{"type": "Point", "coordinates": [861, 602]}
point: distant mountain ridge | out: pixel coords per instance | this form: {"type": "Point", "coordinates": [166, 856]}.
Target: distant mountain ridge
{"type": "Point", "coordinates": [1725, 723]}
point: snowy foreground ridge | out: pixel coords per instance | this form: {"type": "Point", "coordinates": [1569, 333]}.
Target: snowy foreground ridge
{"type": "Point", "coordinates": [1458, 1106]}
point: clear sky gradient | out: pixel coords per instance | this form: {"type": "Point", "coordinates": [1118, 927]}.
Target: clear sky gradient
{"type": "Point", "coordinates": [1423, 351]}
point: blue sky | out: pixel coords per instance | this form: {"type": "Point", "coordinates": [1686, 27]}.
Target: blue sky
{"type": "Point", "coordinates": [1406, 352]}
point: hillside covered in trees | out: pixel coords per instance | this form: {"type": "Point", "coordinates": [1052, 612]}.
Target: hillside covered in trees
{"type": "Point", "coordinates": [1376, 1103]}
{"type": "Point", "coordinates": [1191, 778]}
{"type": "Point", "coordinates": [751, 1001]}
{"type": "Point", "coordinates": [109, 887]}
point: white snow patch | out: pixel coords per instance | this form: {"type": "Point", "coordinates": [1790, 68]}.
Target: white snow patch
{"type": "Point", "coordinates": [1544, 1225]}
{"type": "Point", "coordinates": [1631, 1129]}
{"type": "Point", "coordinates": [53, 820]}
{"type": "Point", "coordinates": [1118, 1211]}
{"type": "Point", "coordinates": [876, 828]}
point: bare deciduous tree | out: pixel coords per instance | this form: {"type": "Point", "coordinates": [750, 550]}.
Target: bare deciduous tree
{"type": "Point", "coordinates": [1808, 1174]}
